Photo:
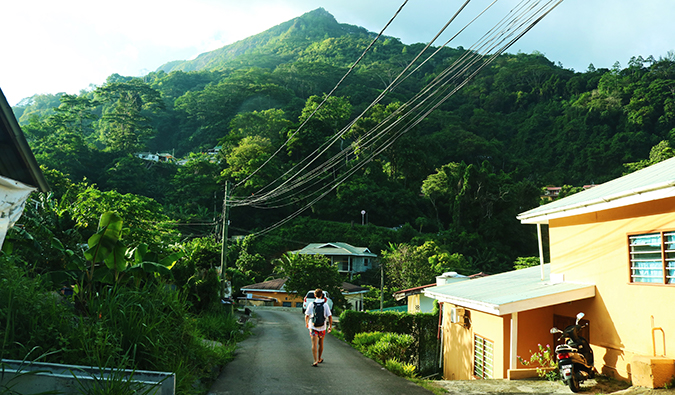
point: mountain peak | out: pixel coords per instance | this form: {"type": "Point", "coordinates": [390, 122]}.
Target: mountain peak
{"type": "Point", "coordinates": [299, 32]}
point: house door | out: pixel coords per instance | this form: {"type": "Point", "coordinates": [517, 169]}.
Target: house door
{"type": "Point", "coordinates": [561, 322]}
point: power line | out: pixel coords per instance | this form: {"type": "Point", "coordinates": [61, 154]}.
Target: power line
{"type": "Point", "coordinates": [327, 96]}
{"type": "Point", "coordinates": [512, 27]}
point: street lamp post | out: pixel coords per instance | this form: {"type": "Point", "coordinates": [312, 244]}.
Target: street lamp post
{"type": "Point", "coordinates": [363, 213]}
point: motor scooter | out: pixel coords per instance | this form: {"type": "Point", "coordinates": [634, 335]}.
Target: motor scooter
{"type": "Point", "coordinates": [575, 356]}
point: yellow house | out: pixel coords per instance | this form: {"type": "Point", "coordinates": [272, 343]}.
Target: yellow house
{"type": "Point", "coordinates": [612, 250]}
{"type": "Point", "coordinates": [270, 292]}
{"type": "Point", "coordinates": [273, 293]}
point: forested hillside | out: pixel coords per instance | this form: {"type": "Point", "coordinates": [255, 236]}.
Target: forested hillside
{"type": "Point", "coordinates": [456, 181]}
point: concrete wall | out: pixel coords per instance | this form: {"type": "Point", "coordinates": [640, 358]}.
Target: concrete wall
{"type": "Point", "coordinates": [37, 377]}
{"type": "Point", "coordinates": [594, 248]}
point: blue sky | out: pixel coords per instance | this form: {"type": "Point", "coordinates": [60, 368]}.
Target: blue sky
{"type": "Point", "coordinates": [51, 47]}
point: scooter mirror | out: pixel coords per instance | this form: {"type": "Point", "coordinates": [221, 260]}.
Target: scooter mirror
{"type": "Point", "coordinates": [555, 330]}
{"type": "Point", "coordinates": [580, 316]}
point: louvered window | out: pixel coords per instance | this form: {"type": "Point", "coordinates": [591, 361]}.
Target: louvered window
{"type": "Point", "coordinates": [483, 356]}
{"type": "Point", "coordinates": [652, 258]}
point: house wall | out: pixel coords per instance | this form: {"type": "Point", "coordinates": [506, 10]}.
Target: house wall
{"type": "Point", "coordinates": [414, 304]}
{"type": "Point", "coordinates": [533, 330]}
{"type": "Point", "coordinates": [420, 304]}
{"type": "Point", "coordinates": [279, 296]}
{"type": "Point", "coordinates": [458, 344]}
{"type": "Point", "coordinates": [594, 248]}
{"type": "Point", "coordinates": [355, 301]}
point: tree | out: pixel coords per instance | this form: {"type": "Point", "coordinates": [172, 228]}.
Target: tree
{"type": "Point", "coordinates": [307, 272]}
{"type": "Point", "coordinates": [246, 158]}
{"type": "Point", "coordinates": [126, 124]}
{"type": "Point", "coordinates": [321, 124]}
{"type": "Point", "coordinates": [195, 191]}
{"type": "Point", "coordinates": [144, 217]}
{"type": "Point", "coordinates": [658, 153]}
{"type": "Point", "coordinates": [407, 266]}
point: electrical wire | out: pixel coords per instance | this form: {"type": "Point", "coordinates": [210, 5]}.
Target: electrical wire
{"type": "Point", "coordinates": [327, 96]}
{"type": "Point", "coordinates": [320, 169]}
{"type": "Point", "coordinates": [428, 100]}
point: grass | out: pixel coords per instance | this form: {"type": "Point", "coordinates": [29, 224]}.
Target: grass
{"type": "Point", "coordinates": [147, 328]}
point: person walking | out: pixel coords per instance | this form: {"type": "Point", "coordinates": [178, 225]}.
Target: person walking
{"type": "Point", "coordinates": [317, 315]}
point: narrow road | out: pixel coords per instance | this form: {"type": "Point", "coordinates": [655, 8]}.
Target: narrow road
{"type": "Point", "coordinates": [277, 359]}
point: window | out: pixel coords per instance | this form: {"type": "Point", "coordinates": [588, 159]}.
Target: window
{"type": "Point", "coordinates": [652, 258]}
{"type": "Point", "coordinates": [483, 351]}
{"type": "Point", "coordinates": [287, 304]}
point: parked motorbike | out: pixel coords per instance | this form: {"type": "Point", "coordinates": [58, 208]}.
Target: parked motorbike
{"type": "Point", "coordinates": [575, 356]}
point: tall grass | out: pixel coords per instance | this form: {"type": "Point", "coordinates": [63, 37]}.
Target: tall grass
{"type": "Point", "coordinates": [145, 329]}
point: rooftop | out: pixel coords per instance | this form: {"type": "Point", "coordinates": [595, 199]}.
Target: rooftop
{"type": "Point", "coordinates": [335, 248]}
{"type": "Point", "coordinates": [510, 292]}
{"type": "Point", "coordinates": [16, 158]}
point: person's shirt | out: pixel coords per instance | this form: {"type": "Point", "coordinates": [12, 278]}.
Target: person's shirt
{"type": "Point", "coordinates": [326, 313]}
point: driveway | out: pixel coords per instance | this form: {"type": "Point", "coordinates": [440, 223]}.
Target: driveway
{"type": "Point", "coordinates": [277, 359]}
{"type": "Point", "coordinates": [521, 387]}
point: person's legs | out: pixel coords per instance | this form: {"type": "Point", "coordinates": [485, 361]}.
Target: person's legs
{"type": "Point", "coordinates": [315, 341]}
{"type": "Point", "coordinates": [320, 348]}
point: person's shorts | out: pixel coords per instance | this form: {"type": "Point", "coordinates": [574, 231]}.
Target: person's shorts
{"type": "Point", "coordinates": [318, 333]}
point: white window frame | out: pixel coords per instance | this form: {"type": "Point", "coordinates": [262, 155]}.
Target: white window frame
{"type": "Point", "coordinates": [652, 258]}
{"type": "Point", "coordinates": [483, 357]}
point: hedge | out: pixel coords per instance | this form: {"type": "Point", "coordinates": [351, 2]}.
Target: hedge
{"type": "Point", "coordinates": [422, 326]}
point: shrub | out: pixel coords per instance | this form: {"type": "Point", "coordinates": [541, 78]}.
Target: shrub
{"type": "Point", "coordinates": [543, 360]}
{"type": "Point", "coordinates": [391, 346]}
{"type": "Point", "coordinates": [401, 368]}
{"type": "Point", "coordinates": [366, 339]}
{"type": "Point", "coordinates": [422, 327]}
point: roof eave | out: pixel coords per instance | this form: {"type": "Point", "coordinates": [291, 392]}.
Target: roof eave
{"type": "Point", "coordinates": [22, 145]}
{"type": "Point", "coordinates": [521, 305]}
{"type": "Point", "coordinates": [635, 196]}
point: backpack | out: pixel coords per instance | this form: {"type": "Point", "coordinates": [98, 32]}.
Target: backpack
{"type": "Point", "coordinates": [319, 317]}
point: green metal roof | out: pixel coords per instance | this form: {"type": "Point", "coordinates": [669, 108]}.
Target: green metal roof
{"type": "Point", "coordinates": [510, 292]}
{"type": "Point", "coordinates": [651, 183]}
{"type": "Point", "coordinates": [335, 249]}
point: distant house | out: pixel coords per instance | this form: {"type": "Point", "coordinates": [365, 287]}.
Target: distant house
{"type": "Point", "coordinates": [612, 250]}
{"type": "Point", "coordinates": [270, 293]}
{"type": "Point", "coordinates": [354, 295]}
{"type": "Point", "coordinates": [156, 157]}
{"type": "Point", "coordinates": [349, 259]}
{"type": "Point", "coordinates": [273, 293]}
{"type": "Point", "coordinates": [19, 172]}
{"type": "Point", "coordinates": [418, 302]}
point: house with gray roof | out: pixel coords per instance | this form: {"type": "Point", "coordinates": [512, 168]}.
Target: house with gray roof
{"type": "Point", "coordinates": [349, 259]}
{"type": "Point", "coordinates": [19, 172]}
{"type": "Point", "coordinates": [612, 256]}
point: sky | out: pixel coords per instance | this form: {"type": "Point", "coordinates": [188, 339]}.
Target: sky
{"type": "Point", "coordinates": [66, 46]}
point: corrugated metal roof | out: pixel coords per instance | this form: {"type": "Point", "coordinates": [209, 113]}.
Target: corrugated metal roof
{"type": "Point", "coordinates": [334, 248]}
{"type": "Point", "coordinates": [16, 159]}
{"type": "Point", "coordinates": [271, 285]}
{"type": "Point", "coordinates": [651, 183]}
{"type": "Point", "coordinates": [509, 292]}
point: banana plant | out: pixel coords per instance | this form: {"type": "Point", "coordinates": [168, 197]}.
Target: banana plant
{"type": "Point", "coordinates": [106, 247]}
{"type": "Point", "coordinates": [147, 263]}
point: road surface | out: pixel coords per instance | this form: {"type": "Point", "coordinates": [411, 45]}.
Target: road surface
{"type": "Point", "coordinates": [277, 359]}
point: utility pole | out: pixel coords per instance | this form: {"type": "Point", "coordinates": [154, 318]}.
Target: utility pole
{"type": "Point", "coordinates": [381, 286]}
{"type": "Point", "coordinates": [223, 251]}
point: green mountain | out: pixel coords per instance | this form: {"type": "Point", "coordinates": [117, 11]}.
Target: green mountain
{"type": "Point", "coordinates": [280, 44]}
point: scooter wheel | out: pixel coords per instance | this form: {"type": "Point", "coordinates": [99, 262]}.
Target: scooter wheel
{"type": "Point", "coordinates": [573, 383]}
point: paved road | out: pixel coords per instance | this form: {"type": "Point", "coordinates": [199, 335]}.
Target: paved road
{"type": "Point", "coordinates": [277, 359]}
